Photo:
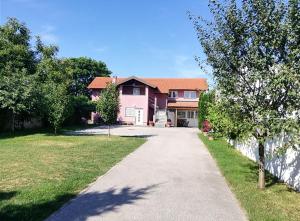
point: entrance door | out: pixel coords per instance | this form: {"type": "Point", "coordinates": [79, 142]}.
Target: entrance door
{"type": "Point", "coordinates": [139, 115]}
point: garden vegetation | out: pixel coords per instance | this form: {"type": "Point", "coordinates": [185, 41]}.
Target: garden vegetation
{"type": "Point", "coordinates": [253, 48]}
{"type": "Point", "coordinates": [36, 84]}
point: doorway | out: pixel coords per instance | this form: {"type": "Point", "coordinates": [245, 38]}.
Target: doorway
{"type": "Point", "coordinates": [139, 116]}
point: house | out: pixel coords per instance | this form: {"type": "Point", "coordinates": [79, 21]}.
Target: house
{"type": "Point", "coordinates": [162, 101]}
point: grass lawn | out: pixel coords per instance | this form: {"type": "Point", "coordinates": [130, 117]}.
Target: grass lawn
{"type": "Point", "coordinates": [40, 172]}
{"type": "Point", "coordinates": [276, 202]}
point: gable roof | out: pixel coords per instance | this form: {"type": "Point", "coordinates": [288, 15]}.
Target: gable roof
{"type": "Point", "coordinates": [135, 78]}
{"type": "Point", "coordinates": [164, 85]}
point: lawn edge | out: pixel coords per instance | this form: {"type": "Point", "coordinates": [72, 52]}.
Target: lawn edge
{"type": "Point", "coordinates": [85, 190]}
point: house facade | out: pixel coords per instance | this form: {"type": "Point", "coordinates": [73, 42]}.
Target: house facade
{"type": "Point", "coordinates": [155, 101]}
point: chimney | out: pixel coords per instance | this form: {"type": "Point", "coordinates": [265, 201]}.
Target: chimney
{"type": "Point", "coordinates": [114, 80]}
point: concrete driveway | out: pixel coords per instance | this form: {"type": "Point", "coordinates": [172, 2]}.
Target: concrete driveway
{"type": "Point", "coordinates": [171, 177]}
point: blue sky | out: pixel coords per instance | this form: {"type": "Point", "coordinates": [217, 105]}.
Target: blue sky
{"type": "Point", "coordinates": [133, 37]}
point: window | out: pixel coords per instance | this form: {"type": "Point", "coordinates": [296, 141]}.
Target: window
{"type": "Point", "coordinates": [191, 114]}
{"type": "Point", "coordinates": [190, 94]}
{"type": "Point", "coordinates": [181, 115]}
{"type": "Point", "coordinates": [129, 111]}
{"type": "Point", "coordinates": [173, 94]}
{"type": "Point", "coordinates": [136, 91]}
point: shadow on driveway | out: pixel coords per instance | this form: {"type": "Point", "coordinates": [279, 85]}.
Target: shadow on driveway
{"type": "Point", "coordinates": [95, 203]}
{"type": "Point", "coordinates": [80, 208]}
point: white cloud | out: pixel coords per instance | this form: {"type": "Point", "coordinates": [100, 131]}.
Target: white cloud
{"type": "Point", "coordinates": [49, 38]}
{"type": "Point", "coordinates": [47, 34]}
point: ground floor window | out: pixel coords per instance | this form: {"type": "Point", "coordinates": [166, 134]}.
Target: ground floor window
{"type": "Point", "coordinates": [191, 114]}
{"type": "Point", "coordinates": [129, 111]}
{"type": "Point", "coordinates": [181, 114]}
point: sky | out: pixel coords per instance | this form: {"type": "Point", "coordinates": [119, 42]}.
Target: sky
{"type": "Point", "coordinates": [145, 38]}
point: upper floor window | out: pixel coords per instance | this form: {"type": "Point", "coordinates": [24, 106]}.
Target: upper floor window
{"type": "Point", "coordinates": [129, 90]}
{"type": "Point", "coordinates": [190, 94]}
{"type": "Point", "coordinates": [173, 94]}
{"type": "Point", "coordinates": [136, 91]}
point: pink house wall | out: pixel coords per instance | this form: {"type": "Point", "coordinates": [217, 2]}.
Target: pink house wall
{"type": "Point", "coordinates": [136, 101]}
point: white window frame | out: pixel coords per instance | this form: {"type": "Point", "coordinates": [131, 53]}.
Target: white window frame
{"type": "Point", "coordinates": [136, 91]}
{"type": "Point", "coordinates": [190, 94]}
{"type": "Point", "coordinates": [183, 111]}
{"type": "Point", "coordinates": [173, 94]}
{"type": "Point", "coordinates": [190, 113]}
{"type": "Point", "coordinates": [132, 111]}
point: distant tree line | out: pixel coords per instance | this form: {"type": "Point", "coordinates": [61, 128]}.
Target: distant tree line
{"type": "Point", "coordinates": [35, 83]}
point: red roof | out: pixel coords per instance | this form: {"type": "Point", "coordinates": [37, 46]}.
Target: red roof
{"type": "Point", "coordinates": [163, 84]}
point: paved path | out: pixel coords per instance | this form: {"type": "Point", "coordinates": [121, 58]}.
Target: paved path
{"type": "Point", "coordinates": [171, 177]}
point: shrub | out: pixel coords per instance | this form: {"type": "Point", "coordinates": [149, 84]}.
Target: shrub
{"type": "Point", "coordinates": [82, 108]}
{"type": "Point", "coordinates": [204, 100]}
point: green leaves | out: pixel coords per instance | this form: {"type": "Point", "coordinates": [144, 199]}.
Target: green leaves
{"type": "Point", "coordinates": [54, 88]}
{"type": "Point", "coordinates": [108, 104]}
{"type": "Point", "coordinates": [34, 82]}
{"type": "Point", "coordinates": [17, 79]}
{"type": "Point", "coordinates": [57, 102]}
{"type": "Point", "coordinates": [254, 52]}
{"type": "Point", "coordinates": [204, 100]}
{"type": "Point", "coordinates": [83, 70]}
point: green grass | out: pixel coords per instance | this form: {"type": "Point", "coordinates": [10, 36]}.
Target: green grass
{"type": "Point", "coordinates": [276, 202]}
{"type": "Point", "coordinates": [40, 172]}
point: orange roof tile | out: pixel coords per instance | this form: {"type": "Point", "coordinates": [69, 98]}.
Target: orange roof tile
{"type": "Point", "coordinates": [163, 84]}
{"type": "Point", "coordinates": [186, 104]}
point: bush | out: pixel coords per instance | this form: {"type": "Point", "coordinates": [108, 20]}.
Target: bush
{"type": "Point", "coordinates": [221, 120]}
{"type": "Point", "coordinates": [204, 100]}
{"type": "Point", "coordinates": [82, 108]}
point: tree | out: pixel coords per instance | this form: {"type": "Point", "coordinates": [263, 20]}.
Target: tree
{"type": "Point", "coordinates": [83, 71]}
{"type": "Point", "coordinates": [17, 69]}
{"type": "Point", "coordinates": [55, 82]}
{"type": "Point", "coordinates": [17, 90]}
{"type": "Point", "coordinates": [57, 102]}
{"type": "Point", "coordinates": [108, 105]}
{"type": "Point", "coordinates": [82, 107]}
{"type": "Point", "coordinates": [15, 46]}
{"type": "Point", "coordinates": [253, 49]}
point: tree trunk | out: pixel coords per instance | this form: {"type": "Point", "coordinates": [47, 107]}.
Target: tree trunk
{"type": "Point", "coordinates": [108, 130]}
{"type": "Point", "coordinates": [55, 130]}
{"type": "Point", "coordinates": [13, 122]}
{"type": "Point", "coordinates": [261, 166]}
